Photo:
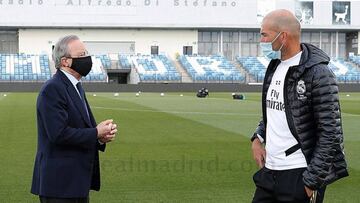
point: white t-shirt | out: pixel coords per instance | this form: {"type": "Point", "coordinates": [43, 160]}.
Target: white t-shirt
{"type": "Point", "coordinates": [278, 135]}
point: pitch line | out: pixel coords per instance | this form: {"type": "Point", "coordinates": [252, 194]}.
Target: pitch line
{"type": "Point", "coordinates": [175, 112]}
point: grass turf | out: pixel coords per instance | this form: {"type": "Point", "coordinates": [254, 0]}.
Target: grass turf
{"type": "Point", "coordinates": [168, 149]}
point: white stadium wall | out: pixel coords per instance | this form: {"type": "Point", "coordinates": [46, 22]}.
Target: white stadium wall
{"type": "Point", "coordinates": [161, 13]}
{"type": "Point", "coordinates": [128, 13]}
{"type": "Point", "coordinates": [133, 26]}
{"type": "Point", "coordinates": [169, 41]}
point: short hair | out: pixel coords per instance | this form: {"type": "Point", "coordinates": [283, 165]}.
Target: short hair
{"type": "Point", "coordinates": [61, 49]}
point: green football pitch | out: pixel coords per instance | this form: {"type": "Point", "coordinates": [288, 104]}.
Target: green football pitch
{"type": "Point", "coordinates": [169, 149]}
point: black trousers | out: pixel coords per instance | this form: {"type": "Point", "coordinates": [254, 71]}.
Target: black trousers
{"type": "Point", "coordinates": [282, 186]}
{"type": "Point", "coordinates": [63, 200]}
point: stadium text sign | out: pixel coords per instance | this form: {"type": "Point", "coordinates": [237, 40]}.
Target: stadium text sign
{"type": "Point", "coordinates": [176, 3]}
{"type": "Point", "coordinates": [127, 13]}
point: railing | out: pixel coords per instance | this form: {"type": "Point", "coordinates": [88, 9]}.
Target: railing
{"type": "Point", "coordinates": [353, 78]}
{"type": "Point", "coordinates": [157, 79]}
{"type": "Point", "coordinates": [196, 78]}
{"type": "Point", "coordinates": [349, 78]}
{"type": "Point", "coordinates": [21, 81]}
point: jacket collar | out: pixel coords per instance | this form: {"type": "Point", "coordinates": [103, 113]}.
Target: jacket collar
{"type": "Point", "coordinates": [71, 78]}
{"type": "Point", "coordinates": [311, 56]}
{"type": "Point", "coordinates": [74, 96]}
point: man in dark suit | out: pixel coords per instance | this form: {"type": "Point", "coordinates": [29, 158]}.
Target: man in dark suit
{"type": "Point", "coordinates": [67, 159]}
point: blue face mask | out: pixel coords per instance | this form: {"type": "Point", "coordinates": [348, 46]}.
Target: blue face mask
{"type": "Point", "coordinates": [267, 50]}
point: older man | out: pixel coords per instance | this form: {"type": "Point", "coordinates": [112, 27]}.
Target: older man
{"type": "Point", "coordinates": [301, 124]}
{"type": "Point", "coordinates": [67, 159]}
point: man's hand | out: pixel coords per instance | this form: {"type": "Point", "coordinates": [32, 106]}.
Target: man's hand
{"type": "Point", "coordinates": [104, 128]}
{"type": "Point", "coordinates": [309, 192]}
{"type": "Point", "coordinates": [111, 136]}
{"type": "Point", "coordinates": [259, 153]}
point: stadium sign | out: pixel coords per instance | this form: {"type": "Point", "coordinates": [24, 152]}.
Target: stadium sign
{"type": "Point", "coordinates": [204, 3]}
{"type": "Point", "coordinates": [175, 3]}
{"type": "Point", "coordinates": [21, 2]}
{"type": "Point", "coordinates": [170, 13]}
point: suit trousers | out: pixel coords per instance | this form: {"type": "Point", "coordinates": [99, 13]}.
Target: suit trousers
{"type": "Point", "coordinates": [285, 186]}
{"type": "Point", "coordinates": [63, 200]}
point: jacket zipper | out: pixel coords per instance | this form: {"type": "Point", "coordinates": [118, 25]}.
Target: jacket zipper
{"type": "Point", "coordinates": [264, 92]}
{"type": "Point", "coordinates": [288, 114]}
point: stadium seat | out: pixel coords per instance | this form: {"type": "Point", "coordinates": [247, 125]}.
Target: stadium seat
{"type": "Point", "coordinates": [151, 68]}
{"type": "Point", "coordinates": [24, 67]}
{"type": "Point", "coordinates": [255, 66]}
{"type": "Point", "coordinates": [210, 68]}
{"type": "Point", "coordinates": [343, 70]}
{"type": "Point", "coordinates": [346, 71]}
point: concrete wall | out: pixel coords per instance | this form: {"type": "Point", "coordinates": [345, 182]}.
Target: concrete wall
{"type": "Point", "coordinates": [173, 87]}
{"type": "Point", "coordinates": [38, 41]}
{"type": "Point", "coordinates": [156, 13]}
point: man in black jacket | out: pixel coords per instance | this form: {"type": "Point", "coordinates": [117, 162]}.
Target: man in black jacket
{"type": "Point", "coordinates": [301, 126]}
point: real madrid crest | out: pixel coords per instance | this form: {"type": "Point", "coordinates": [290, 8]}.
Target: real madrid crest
{"type": "Point", "coordinates": [301, 89]}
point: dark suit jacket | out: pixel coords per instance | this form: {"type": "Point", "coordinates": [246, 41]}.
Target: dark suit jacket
{"type": "Point", "coordinates": [67, 159]}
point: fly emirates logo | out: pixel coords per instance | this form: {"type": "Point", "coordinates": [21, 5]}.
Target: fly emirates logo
{"type": "Point", "coordinates": [274, 102]}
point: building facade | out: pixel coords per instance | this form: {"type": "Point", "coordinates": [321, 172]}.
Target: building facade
{"type": "Point", "coordinates": [172, 27]}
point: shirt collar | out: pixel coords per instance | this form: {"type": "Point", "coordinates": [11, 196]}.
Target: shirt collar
{"type": "Point", "coordinates": [72, 79]}
{"type": "Point", "coordinates": [295, 57]}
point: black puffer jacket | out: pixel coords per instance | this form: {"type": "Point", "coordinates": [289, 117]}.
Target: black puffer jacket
{"type": "Point", "coordinates": [313, 114]}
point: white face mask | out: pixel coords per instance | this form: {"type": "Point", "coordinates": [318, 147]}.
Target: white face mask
{"type": "Point", "coordinates": [268, 52]}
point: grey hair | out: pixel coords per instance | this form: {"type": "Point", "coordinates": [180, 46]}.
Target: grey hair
{"type": "Point", "coordinates": [61, 49]}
